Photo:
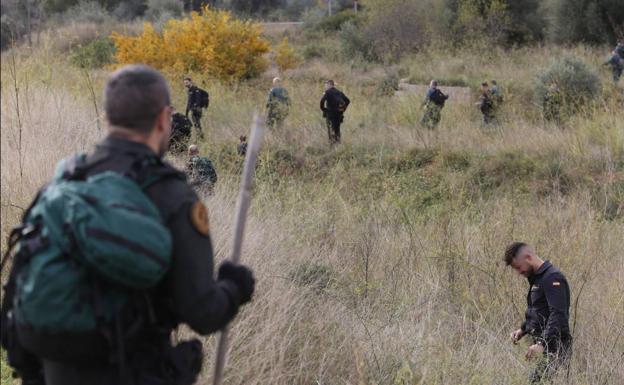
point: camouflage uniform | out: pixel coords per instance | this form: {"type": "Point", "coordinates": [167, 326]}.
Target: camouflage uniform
{"type": "Point", "coordinates": [278, 104]}
{"type": "Point", "coordinates": [433, 109]}
{"type": "Point", "coordinates": [617, 66]}
{"type": "Point", "coordinates": [201, 172]}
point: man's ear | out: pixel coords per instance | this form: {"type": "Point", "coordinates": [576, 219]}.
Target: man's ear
{"type": "Point", "coordinates": [163, 120]}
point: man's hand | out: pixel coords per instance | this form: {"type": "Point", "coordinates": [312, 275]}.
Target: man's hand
{"type": "Point", "coordinates": [242, 276]}
{"type": "Point", "coordinates": [517, 336]}
{"type": "Point", "coordinates": [533, 351]}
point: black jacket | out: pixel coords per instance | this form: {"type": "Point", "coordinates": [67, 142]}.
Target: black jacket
{"type": "Point", "coordinates": [548, 306]}
{"type": "Point", "coordinates": [189, 292]}
{"type": "Point", "coordinates": [194, 98]}
{"type": "Point", "coordinates": [331, 101]}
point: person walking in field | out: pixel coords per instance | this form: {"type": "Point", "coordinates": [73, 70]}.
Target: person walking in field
{"type": "Point", "coordinates": [616, 62]}
{"type": "Point", "coordinates": [334, 103]}
{"type": "Point", "coordinates": [547, 315]}
{"type": "Point", "coordinates": [198, 99]}
{"type": "Point", "coordinates": [486, 104]}
{"type": "Point", "coordinates": [95, 291]}
{"type": "Point", "coordinates": [433, 103]}
{"type": "Point", "coordinates": [278, 104]}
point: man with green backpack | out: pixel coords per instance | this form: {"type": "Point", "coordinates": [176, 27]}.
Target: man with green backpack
{"type": "Point", "coordinates": [113, 254]}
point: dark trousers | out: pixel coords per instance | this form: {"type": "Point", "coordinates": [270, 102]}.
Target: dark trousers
{"type": "Point", "coordinates": [196, 115]}
{"type": "Point", "coordinates": [333, 128]}
{"type": "Point", "coordinates": [550, 362]}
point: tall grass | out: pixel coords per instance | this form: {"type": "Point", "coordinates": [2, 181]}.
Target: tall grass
{"type": "Point", "coordinates": [404, 227]}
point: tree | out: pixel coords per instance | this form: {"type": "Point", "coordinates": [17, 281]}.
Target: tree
{"type": "Point", "coordinates": [588, 21]}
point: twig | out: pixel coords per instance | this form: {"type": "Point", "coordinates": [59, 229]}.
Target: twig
{"type": "Point", "coordinates": [244, 199]}
{"type": "Point", "coordinates": [93, 98]}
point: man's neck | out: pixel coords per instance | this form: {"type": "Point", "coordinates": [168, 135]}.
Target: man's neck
{"type": "Point", "coordinates": [124, 133]}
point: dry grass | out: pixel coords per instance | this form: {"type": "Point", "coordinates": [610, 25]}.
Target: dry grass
{"type": "Point", "coordinates": [415, 293]}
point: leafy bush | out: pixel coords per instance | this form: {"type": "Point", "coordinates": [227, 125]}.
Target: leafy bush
{"type": "Point", "coordinates": [388, 85]}
{"type": "Point", "coordinates": [163, 9]}
{"type": "Point", "coordinates": [87, 12]}
{"type": "Point", "coordinates": [285, 56]}
{"type": "Point", "coordinates": [335, 21]}
{"type": "Point", "coordinates": [595, 21]}
{"type": "Point", "coordinates": [96, 54]}
{"type": "Point", "coordinates": [575, 81]}
{"type": "Point", "coordinates": [211, 42]}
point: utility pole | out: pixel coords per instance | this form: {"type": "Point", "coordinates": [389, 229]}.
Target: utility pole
{"type": "Point", "coordinates": [355, 6]}
{"type": "Point", "coordinates": [329, 7]}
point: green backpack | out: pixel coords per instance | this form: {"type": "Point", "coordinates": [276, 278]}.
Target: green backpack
{"type": "Point", "coordinates": [87, 245]}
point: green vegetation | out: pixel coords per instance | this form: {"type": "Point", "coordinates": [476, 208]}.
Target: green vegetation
{"type": "Point", "coordinates": [379, 262]}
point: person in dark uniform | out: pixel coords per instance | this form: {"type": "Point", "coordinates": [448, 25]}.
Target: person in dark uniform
{"type": "Point", "coordinates": [197, 100]}
{"type": "Point", "coordinates": [137, 105]}
{"type": "Point", "coordinates": [241, 148]}
{"type": "Point", "coordinates": [333, 104]}
{"type": "Point", "coordinates": [180, 132]}
{"type": "Point", "coordinates": [547, 314]}
{"type": "Point", "coordinates": [486, 104]}
{"type": "Point", "coordinates": [616, 62]}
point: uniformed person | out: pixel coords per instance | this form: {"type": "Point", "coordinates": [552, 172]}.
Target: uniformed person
{"type": "Point", "coordinates": [333, 104]}
{"type": "Point", "coordinates": [180, 132]}
{"type": "Point", "coordinates": [620, 48]}
{"type": "Point", "coordinates": [497, 95]}
{"type": "Point", "coordinates": [196, 101]}
{"type": "Point", "coordinates": [486, 104]}
{"type": "Point", "coordinates": [278, 104]}
{"type": "Point", "coordinates": [241, 148]}
{"type": "Point", "coordinates": [200, 170]}
{"type": "Point", "coordinates": [433, 103]}
{"type": "Point", "coordinates": [137, 105]}
{"type": "Point", "coordinates": [547, 313]}
{"type": "Point", "coordinates": [616, 62]}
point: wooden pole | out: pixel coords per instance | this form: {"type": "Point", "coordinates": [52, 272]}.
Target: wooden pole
{"type": "Point", "coordinates": [242, 206]}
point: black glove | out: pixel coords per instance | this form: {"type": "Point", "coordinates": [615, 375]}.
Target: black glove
{"type": "Point", "coordinates": [241, 276]}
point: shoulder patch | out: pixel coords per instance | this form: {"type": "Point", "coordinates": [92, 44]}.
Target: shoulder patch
{"type": "Point", "coordinates": [199, 218]}
{"type": "Point", "coordinates": [556, 283]}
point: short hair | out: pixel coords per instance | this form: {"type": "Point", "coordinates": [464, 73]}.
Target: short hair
{"type": "Point", "coordinates": [193, 149]}
{"type": "Point", "coordinates": [330, 82]}
{"type": "Point", "coordinates": [512, 251]}
{"type": "Point", "coordinates": [276, 80]}
{"type": "Point", "coordinates": [494, 82]}
{"type": "Point", "coordinates": [433, 83]}
{"type": "Point", "coordinates": [484, 84]}
{"type": "Point", "coordinates": [188, 78]}
{"type": "Point", "coordinates": [134, 96]}
{"type": "Point", "coordinates": [242, 138]}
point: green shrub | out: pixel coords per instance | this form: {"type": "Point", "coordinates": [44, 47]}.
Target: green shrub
{"type": "Point", "coordinates": [313, 275]}
{"type": "Point", "coordinates": [388, 85]}
{"type": "Point", "coordinates": [575, 81]}
{"type": "Point", "coordinates": [96, 54]}
{"type": "Point", "coordinates": [334, 22]}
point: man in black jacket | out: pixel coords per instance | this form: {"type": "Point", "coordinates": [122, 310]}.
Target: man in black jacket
{"type": "Point", "coordinates": [333, 104]}
{"type": "Point", "coordinates": [137, 105]}
{"type": "Point", "coordinates": [547, 313]}
{"type": "Point", "coordinates": [197, 100]}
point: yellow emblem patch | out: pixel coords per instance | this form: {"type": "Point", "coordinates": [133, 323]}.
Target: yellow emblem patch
{"type": "Point", "coordinates": [199, 218]}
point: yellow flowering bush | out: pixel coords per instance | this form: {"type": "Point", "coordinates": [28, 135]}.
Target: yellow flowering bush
{"type": "Point", "coordinates": [211, 42]}
{"type": "Point", "coordinates": [285, 56]}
